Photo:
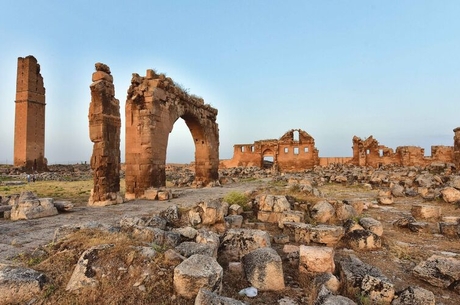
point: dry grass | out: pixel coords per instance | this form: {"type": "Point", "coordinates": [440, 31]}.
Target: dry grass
{"type": "Point", "coordinates": [76, 191]}
{"type": "Point", "coordinates": [124, 276]}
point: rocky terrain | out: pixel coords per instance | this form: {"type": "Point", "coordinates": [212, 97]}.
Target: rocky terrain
{"type": "Point", "coordinates": [332, 235]}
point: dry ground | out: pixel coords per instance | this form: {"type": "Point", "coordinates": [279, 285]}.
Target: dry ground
{"type": "Point", "coordinates": [401, 250]}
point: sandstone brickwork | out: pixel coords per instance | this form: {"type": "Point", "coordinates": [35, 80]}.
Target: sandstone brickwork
{"type": "Point", "coordinates": [29, 128]}
{"type": "Point", "coordinates": [153, 105]}
{"type": "Point", "coordinates": [457, 148]}
{"type": "Point", "coordinates": [293, 151]}
{"type": "Point", "coordinates": [369, 152]}
{"type": "Point", "coordinates": [104, 132]}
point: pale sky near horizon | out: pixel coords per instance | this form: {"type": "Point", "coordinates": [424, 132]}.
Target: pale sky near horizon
{"type": "Point", "coordinates": [335, 69]}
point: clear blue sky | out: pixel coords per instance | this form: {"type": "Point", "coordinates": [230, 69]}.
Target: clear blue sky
{"type": "Point", "coordinates": [335, 69]}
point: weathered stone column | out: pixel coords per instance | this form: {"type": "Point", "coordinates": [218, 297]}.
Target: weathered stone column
{"type": "Point", "coordinates": [104, 132]}
{"type": "Point", "coordinates": [457, 148]}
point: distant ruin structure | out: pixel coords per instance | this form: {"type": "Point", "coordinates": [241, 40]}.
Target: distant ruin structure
{"type": "Point", "coordinates": [293, 151]}
{"type": "Point", "coordinates": [153, 105]}
{"type": "Point", "coordinates": [29, 126]}
{"type": "Point", "coordinates": [104, 132]}
{"type": "Point", "coordinates": [369, 152]}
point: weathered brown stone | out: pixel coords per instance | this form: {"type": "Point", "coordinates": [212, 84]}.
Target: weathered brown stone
{"type": "Point", "coordinates": [369, 152]}
{"type": "Point", "coordinates": [293, 151]}
{"type": "Point", "coordinates": [153, 105]}
{"type": "Point", "coordinates": [104, 132]}
{"type": "Point", "coordinates": [29, 128]}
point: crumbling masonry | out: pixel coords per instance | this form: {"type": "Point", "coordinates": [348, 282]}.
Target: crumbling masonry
{"type": "Point", "coordinates": [153, 105]}
{"type": "Point", "coordinates": [369, 152]}
{"type": "Point", "coordinates": [29, 127]}
{"type": "Point", "coordinates": [104, 132]}
{"type": "Point", "coordinates": [293, 151]}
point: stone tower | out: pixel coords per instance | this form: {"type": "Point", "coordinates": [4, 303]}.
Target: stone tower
{"type": "Point", "coordinates": [104, 132]}
{"type": "Point", "coordinates": [29, 128]}
{"type": "Point", "coordinates": [457, 148]}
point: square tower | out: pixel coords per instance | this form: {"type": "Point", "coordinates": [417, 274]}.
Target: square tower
{"type": "Point", "coordinates": [29, 126]}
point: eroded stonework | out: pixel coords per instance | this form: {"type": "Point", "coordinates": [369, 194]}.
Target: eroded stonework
{"type": "Point", "coordinates": [369, 152]}
{"type": "Point", "coordinates": [153, 105]}
{"type": "Point", "coordinates": [293, 151]}
{"type": "Point", "coordinates": [104, 132]}
{"type": "Point", "coordinates": [456, 156]}
{"type": "Point", "coordinates": [29, 128]}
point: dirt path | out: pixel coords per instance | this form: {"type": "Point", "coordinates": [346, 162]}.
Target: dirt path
{"type": "Point", "coordinates": [21, 236]}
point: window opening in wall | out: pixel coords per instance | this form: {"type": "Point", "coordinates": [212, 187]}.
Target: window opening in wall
{"type": "Point", "coordinates": [296, 150]}
{"type": "Point", "coordinates": [295, 136]}
{"type": "Point", "coordinates": [252, 149]}
{"type": "Point", "coordinates": [381, 152]}
{"type": "Point", "coordinates": [268, 162]}
{"type": "Point", "coordinates": [367, 151]}
{"type": "Point", "coordinates": [242, 148]}
{"type": "Point", "coordinates": [286, 150]}
{"type": "Point", "coordinates": [305, 149]}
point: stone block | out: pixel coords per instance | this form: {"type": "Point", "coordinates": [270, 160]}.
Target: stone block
{"type": "Point", "coordinates": [19, 285]}
{"type": "Point", "coordinates": [450, 194]}
{"type": "Point", "coordinates": [234, 221]}
{"type": "Point", "coordinates": [290, 216]}
{"type": "Point", "coordinates": [326, 234]}
{"type": "Point", "coordinates": [414, 296]}
{"type": "Point", "coordinates": [363, 240]}
{"type": "Point", "coordinates": [206, 297]}
{"type": "Point", "coordinates": [322, 212]}
{"type": "Point", "coordinates": [273, 203]}
{"type": "Point", "coordinates": [421, 211]}
{"type": "Point", "coordinates": [314, 259]}
{"type": "Point", "coordinates": [372, 225]}
{"type": "Point", "coordinates": [298, 232]}
{"type": "Point", "coordinates": [450, 229]}
{"type": "Point", "coordinates": [197, 271]}
{"type": "Point", "coordinates": [271, 217]}
{"type": "Point", "coordinates": [238, 242]}
{"type": "Point", "coordinates": [188, 249]}
{"type": "Point", "coordinates": [264, 269]}
{"type": "Point", "coordinates": [438, 271]}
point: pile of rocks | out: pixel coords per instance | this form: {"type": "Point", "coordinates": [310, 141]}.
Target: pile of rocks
{"type": "Point", "coordinates": [212, 238]}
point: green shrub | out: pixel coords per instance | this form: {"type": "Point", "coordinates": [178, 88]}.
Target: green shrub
{"type": "Point", "coordinates": [238, 198]}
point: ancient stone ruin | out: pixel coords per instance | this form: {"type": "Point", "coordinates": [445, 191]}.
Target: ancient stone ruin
{"type": "Point", "coordinates": [294, 150]}
{"type": "Point", "coordinates": [369, 152]}
{"type": "Point", "coordinates": [153, 105]}
{"type": "Point", "coordinates": [457, 147]}
{"type": "Point", "coordinates": [104, 132]}
{"type": "Point", "coordinates": [29, 128]}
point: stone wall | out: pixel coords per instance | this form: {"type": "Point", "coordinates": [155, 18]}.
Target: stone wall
{"type": "Point", "coordinates": [456, 156]}
{"type": "Point", "coordinates": [293, 151]}
{"type": "Point", "coordinates": [104, 132]}
{"type": "Point", "coordinates": [29, 128]}
{"type": "Point", "coordinates": [369, 152]}
{"type": "Point", "coordinates": [153, 105]}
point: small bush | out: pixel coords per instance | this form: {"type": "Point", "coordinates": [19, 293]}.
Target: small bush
{"type": "Point", "coordinates": [237, 198]}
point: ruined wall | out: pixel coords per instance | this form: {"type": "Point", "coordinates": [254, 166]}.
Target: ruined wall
{"type": "Point", "coordinates": [369, 152]}
{"type": "Point", "coordinates": [104, 132]}
{"type": "Point", "coordinates": [456, 157]}
{"type": "Point", "coordinates": [153, 105]}
{"type": "Point", "coordinates": [295, 150]}
{"type": "Point", "coordinates": [29, 128]}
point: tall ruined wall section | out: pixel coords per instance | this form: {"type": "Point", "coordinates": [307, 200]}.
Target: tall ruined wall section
{"type": "Point", "coordinates": [29, 128]}
{"type": "Point", "coordinates": [153, 105]}
{"type": "Point", "coordinates": [289, 153]}
{"type": "Point", "coordinates": [456, 157]}
{"type": "Point", "coordinates": [104, 132]}
{"type": "Point", "coordinates": [296, 153]}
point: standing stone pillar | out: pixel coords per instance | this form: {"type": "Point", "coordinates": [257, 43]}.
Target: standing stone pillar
{"type": "Point", "coordinates": [104, 132]}
{"type": "Point", "coordinates": [457, 148]}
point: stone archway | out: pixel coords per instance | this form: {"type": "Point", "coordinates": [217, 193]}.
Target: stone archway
{"type": "Point", "coordinates": [153, 105]}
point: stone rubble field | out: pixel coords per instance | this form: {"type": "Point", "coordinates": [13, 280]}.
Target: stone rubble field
{"type": "Point", "coordinates": [331, 235]}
